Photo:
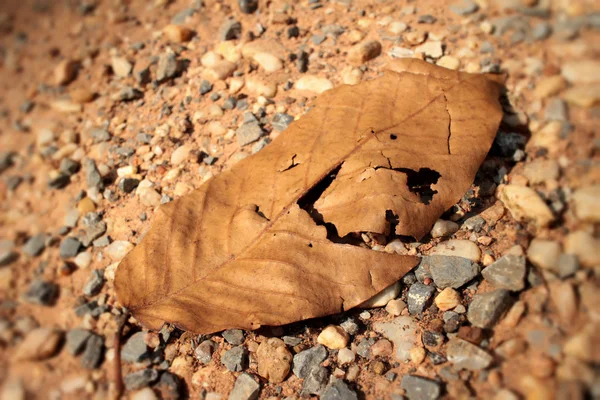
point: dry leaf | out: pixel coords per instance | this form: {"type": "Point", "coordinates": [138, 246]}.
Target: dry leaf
{"type": "Point", "coordinates": [240, 251]}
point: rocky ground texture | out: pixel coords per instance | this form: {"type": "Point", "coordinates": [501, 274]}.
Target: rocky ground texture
{"type": "Point", "coordinates": [110, 108]}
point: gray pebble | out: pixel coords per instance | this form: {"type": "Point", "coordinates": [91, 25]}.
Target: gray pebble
{"type": "Point", "coordinates": [135, 349]}
{"type": "Point", "coordinates": [100, 134]}
{"type": "Point", "coordinates": [69, 247]}
{"type": "Point", "coordinates": [339, 390]}
{"type": "Point", "coordinates": [291, 340]}
{"type": "Point", "coordinates": [541, 31]}
{"type": "Point", "coordinates": [248, 6]}
{"type": "Point", "coordinates": [128, 185]}
{"type": "Point", "coordinates": [475, 223]}
{"type": "Point", "coordinates": [94, 283]}
{"type": "Point", "coordinates": [182, 15]}
{"type": "Point", "coordinates": [41, 292]}
{"type": "Point", "coordinates": [233, 336]}
{"type": "Point", "coordinates": [235, 359]}
{"type": "Point", "coordinates": [419, 297]}
{"type": "Point", "coordinates": [364, 347]}
{"type": "Point", "coordinates": [6, 160]}
{"type": "Point", "coordinates": [485, 309]}
{"type": "Point", "coordinates": [247, 133]}
{"type": "Point", "coordinates": [567, 265]}
{"type": "Point", "coordinates": [318, 39]}
{"type": "Point", "coordinates": [230, 29]}
{"type": "Point", "coordinates": [245, 388]}
{"type": "Point", "coordinates": [465, 355]}
{"type": "Point", "coordinates": [350, 326]}
{"type": "Point", "coordinates": [76, 340]}
{"type": "Point", "coordinates": [93, 353]}
{"type": "Point", "coordinates": [507, 272]}
{"type": "Point", "coordinates": [464, 7]}
{"type": "Point", "coordinates": [92, 176]}
{"type": "Point", "coordinates": [420, 388]}
{"type": "Point", "coordinates": [170, 386]}
{"type": "Point", "coordinates": [281, 121]}
{"type": "Point", "coordinates": [140, 379]}
{"type": "Point", "coordinates": [167, 68]}
{"type": "Point", "coordinates": [449, 271]}
{"type": "Point", "coordinates": [7, 253]}
{"type": "Point", "coordinates": [204, 351]}
{"type": "Point", "coordinates": [307, 360]}
{"type": "Point", "coordinates": [556, 110]}
{"type": "Point", "coordinates": [35, 245]}
{"type": "Point", "coordinates": [258, 146]}
{"type": "Point", "coordinates": [315, 381]}
{"type": "Point", "coordinates": [69, 167]}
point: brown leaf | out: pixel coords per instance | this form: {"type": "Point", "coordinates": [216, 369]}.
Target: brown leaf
{"type": "Point", "coordinates": [240, 251]}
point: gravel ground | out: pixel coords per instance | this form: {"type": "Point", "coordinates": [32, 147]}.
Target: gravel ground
{"type": "Point", "coordinates": [111, 108]}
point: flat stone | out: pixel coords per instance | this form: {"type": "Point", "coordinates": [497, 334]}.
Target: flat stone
{"type": "Point", "coordinates": [465, 355]}
{"type": "Point", "coordinates": [447, 271]}
{"type": "Point", "coordinates": [567, 265]}
{"type": "Point", "coordinates": [135, 349]}
{"type": "Point", "coordinates": [585, 203]}
{"type": "Point", "coordinates": [35, 245]}
{"type": "Point", "coordinates": [93, 355]}
{"type": "Point", "coordinates": [281, 121]}
{"type": "Point", "coordinates": [458, 248]}
{"type": "Point", "coordinates": [339, 390]}
{"type": "Point", "coordinates": [487, 308]}
{"type": "Point", "coordinates": [248, 132]}
{"type": "Point", "coordinates": [234, 336]}
{"type": "Point", "coordinates": [168, 67]}
{"type": "Point", "coordinates": [345, 356]}
{"type": "Point", "coordinates": [76, 340]}
{"type": "Point", "coordinates": [92, 175]}
{"type": "Point", "coordinates": [464, 7]}
{"type": "Point", "coordinates": [315, 381]}
{"type": "Point", "coordinates": [507, 272]}
{"type": "Point", "coordinates": [139, 379]}
{"type": "Point", "coordinates": [581, 71]}
{"type": "Point", "coordinates": [38, 344]}
{"type": "Point", "coordinates": [419, 297]}
{"type": "Point", "coordinates": [69, 247]}
{"type": "Point", "coordinates": [229, 30]}
{"type": "Point", "coordinates": [94, 283]}
{"type": "Point", "coordinates": [419, 388]}
{"type": "Point", "coordinates": [447, 299]}
{"type": "Point", "coordinates": [245, 388]}
{"type": "Point", "coordinates": [585, 247]}
{"type": "Point", "coordinates": [431, 49]}
{"type": "Point", "coordinates": [403, 332]}
{"type": "Point", "coordinates": [204, 351]}
{"type": "Point", "coordinates": [118, 249]}
{"type": "Point", "coordinates": [41, 292]}
{"type": "Point", "coordinates": [235, 359]}
{"type": "Point", "coordinates": [443, 228]}
{"type": "Point", "coordinates": [307, 360]}
{"type": "Point", "coordinates": [583, 96]}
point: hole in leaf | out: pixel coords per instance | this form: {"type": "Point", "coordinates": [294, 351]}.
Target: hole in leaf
{"type": "Point", "coordinates": [310, 245]}
{"type": "Point", "coordinates": [393, 137]}
{"type": "Point", "coordinates": [419, 182]}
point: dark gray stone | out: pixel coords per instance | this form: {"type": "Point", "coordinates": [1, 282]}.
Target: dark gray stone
{"type": "Point", "coordinates": [235, 359]}
{"type": "Point", "coordinates": [418, 298]}
{"type": "Point", "coordinates": [245, 388]}
{"type": "Point", "coordinates": [339, 390]}
{"type": "Point", "coordinates": [140, 379]}
{"type": "Point", "coordinates": [100, 134]}
{"type": "Point", "coordinates": [94, 283]}
{"type": "Point", "coordinates": [69, 247]}
{"type": "Point", "coordinates": [307, 360]}
{"type": "Point", "coordinates": [485, 309]}
{"type": "Point", "coordinates": [436, 358]}
{"type": "Point", "coordinates": [94, 228]}
{"type": "Point", "coordinates": [230, 29]}
{"type": "Point", "coordinates": [474, 224]}
{"type": "Point", "coordinates": [204, 351]}
{"type": "Point", "coordinates": [170, 386]}
{"type": "Point", "coordinates": [507, 272]}
{"type": "Point", "coordinates": [167, 68]}
{"type": "Point", "coordinates": [291, 340]}
{"type": "Point", "coordinates": [315, 381]}
{"type": "Point", "coordinates": [94, 352]}
{"type": "Point", "coordinates": [464, 7]}
{"type": "Point", "coordinates": [93, 178]}
{"type": "Point", "coordinates": [419, 388]}
{"type": "Point", "coordinates": [465, 355]}
{"type": "Point", "coordinates": [233, 336]}
{"type": "Point", "coordinates": [281, 121]}
{"type": "Point", "coordinates": [249, 132]}
{"type": "Point", "coordinates": [128, 185]}
{"type": "Point", "coordinates": [6, 160]}
{"type": "Point", "coordinates": [426, 19]}
{"type": "Point", "coordinates": [60, 181]}
{"type": "Point", "coordinates": [432, 339]}
{"type": "Point", "coordinates": [41, 292]}
{"type": "Point", "coordinates": [76, 340]}
{"type": "Point", "coordinates": [541, 31]}
{"type": "Point", "coordinates": [507, 143]}
{"type": "Point", "coordinates": [7, 253]}
{"type": "Point", "coordinates": [258, 146]}
{"type": "Point", "coordinates": [35, 245]}
{"type": "Point", "coordinates": [248, 6]}
{"type": "Point", "coordinates": [448, 271]}
{"type": "Point", "coordinates": [69, 167]}
{"type": "Point", "coordinates": [135, 349]}
{"type": "Point", "coordinates": [302, 61]}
